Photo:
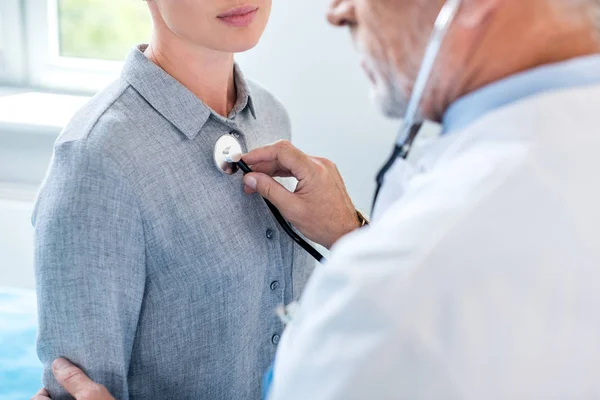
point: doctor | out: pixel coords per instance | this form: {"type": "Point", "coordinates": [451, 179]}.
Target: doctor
{"type": "Point", "coordinates": [479, 277]}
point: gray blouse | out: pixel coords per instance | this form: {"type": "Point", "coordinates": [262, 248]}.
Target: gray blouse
{"type": "Point", "coordinates": [155, 272]}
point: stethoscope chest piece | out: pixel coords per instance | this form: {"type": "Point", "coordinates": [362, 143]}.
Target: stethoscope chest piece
{"type": "Point", "coordinates": [226, 148]}
{"type": "Point", "coordinates": [228, 159]}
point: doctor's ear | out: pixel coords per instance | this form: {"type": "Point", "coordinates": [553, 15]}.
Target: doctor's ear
{"type": "Point", "coordinates": [474, 13]}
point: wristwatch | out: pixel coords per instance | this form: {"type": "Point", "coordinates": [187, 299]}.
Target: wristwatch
{"type": "Point", "coordinates": [362, 219]}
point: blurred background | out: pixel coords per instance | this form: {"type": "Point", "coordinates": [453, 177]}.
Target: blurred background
{"type": "Point", "coordinates": [55, 54]}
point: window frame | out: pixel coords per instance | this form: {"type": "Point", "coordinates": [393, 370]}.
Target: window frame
{"type": "Point", "coordinates": [46, 68]}
{"type": "Point", "coordinates": [12, 54]}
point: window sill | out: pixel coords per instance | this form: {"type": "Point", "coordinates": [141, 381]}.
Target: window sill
{"type": "Point", "coordinates": [23, 110]}
{"type": "Point", "coordinates": [30, 122]}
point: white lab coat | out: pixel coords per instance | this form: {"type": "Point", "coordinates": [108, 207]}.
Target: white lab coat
{"type": "Point", "coordinates": [482, 281]}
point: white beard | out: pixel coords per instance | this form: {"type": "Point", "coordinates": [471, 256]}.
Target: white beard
{"type": "Point", "coordinates": [386, 93]}
{"type": "Point", "coordinates": [390, 101]}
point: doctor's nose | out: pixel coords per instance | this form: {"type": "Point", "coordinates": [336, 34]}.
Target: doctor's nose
{"type": "Point", "coordinates": [341, 13]}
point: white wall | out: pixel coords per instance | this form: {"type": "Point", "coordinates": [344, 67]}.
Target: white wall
{"type": "Point", "coordinates": [314, 70]}
{"type": "Point", "coordinates": [16, 244]}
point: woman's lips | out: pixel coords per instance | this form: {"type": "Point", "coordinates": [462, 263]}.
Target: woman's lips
{"type": "Point", "coordinates": [240, 16]}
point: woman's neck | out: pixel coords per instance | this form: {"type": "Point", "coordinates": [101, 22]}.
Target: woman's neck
{"type": "Point", "coordinates": [206, 73]}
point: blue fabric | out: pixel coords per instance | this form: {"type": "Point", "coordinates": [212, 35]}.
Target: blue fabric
{"type": "Point", "coordinates": [267, 381]}
{"type": "Point", "coordinates": [577, 72]}
{"type": "Point", "coordinates": [20, 370]}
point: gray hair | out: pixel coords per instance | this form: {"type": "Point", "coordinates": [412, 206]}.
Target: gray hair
{"type": "Point", "coordinates": [595, 10]}
{"type": "Point", "coordinates": [590, 8]}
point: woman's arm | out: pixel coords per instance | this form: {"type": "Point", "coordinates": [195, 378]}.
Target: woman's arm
{"type": "Point", "coordinates": [90, 267]}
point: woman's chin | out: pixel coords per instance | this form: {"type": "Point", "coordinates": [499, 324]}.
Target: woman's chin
{"type": "Point", "coordinates": [239, 45]}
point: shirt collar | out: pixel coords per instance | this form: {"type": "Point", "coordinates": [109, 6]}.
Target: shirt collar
{"type": "Point", "coordinates": [173, 100]}
{"type": "Point", "coordinates": [581, 71]}
{"type": "Point", "coordinates": [244, 96]}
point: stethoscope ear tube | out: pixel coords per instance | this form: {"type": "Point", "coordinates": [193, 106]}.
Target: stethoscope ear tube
{"type": "Point", "coordinates": [400, 150]}
{"type": "Point", "coordinates": [412, 121]}
{"type": "Point", "coordinates": [284, 224]}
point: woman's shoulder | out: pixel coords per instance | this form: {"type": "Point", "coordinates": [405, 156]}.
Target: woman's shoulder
{"type": "Point", "coordinates": [108, 123]}
{"type": "Point", "coordinates": [85, 120]}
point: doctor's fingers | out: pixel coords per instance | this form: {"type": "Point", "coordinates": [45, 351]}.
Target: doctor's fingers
{"type": "Point", "coordinates": [271, 168]}
{"type": "Point", "coordinates": [42, 394]}
{"type": "Point", "coordinates": [76, 382]}
{"type": "Point", "coordinates": [270, 189]}
{"type": "Point", "coordinates": [284, 154]}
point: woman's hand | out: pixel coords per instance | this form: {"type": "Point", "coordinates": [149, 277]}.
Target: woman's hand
{"type": "Point", "coordinates": [75, 382]}
{"type": "Point", "coordinates": [320, 207]}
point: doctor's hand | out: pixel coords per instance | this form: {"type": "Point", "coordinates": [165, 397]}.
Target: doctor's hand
{"type": "Point", "coordinates": [75, 382]}
{"type": "Point", "coordinates": [320, 207]}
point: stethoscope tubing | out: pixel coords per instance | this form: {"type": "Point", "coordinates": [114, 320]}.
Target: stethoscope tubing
{"type": "Point", "coordinates": [284, 224]}
{"type": "Point", "coordinates": [412, 121]}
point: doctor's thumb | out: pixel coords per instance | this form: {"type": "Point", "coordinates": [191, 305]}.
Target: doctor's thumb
{"type": "Point", "coordinates": [76, 382]}
{"type": "Point", "coordinates": [268, 188]}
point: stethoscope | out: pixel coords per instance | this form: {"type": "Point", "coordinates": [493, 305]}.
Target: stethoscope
{"type": "Point", "coordinates": [413, 121]}
{"type": "Point", "coordinates": [228, 159]}
{"type": "Point", "coordinates": [228, 150]}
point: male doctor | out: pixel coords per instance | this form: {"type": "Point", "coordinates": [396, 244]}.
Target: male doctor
{"type": "Point", "coordinates": [480, 276]}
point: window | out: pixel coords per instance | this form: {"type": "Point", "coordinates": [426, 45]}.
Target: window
{"type": "Point", "coordinates": [77, 45]}
{"type": "Point", "coordinates": [101, 29]}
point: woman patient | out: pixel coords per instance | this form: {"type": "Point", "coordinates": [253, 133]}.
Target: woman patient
{"type": "Point", "coordinates": [155, 273]}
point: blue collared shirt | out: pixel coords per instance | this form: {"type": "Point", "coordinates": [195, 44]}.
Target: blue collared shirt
{"type": "Point", "coordinates": [581, 71]}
